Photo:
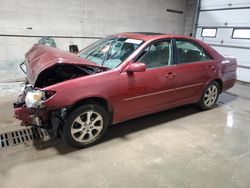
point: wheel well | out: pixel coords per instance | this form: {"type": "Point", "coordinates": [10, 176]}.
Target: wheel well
{"type": "Point", "coordinates": [220, 84]}
{"type": "Point", "coordinates": [94, 100]}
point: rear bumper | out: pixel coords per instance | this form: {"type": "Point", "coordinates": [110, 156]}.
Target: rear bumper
{"type": "Point", "coordinates": [228, 84]}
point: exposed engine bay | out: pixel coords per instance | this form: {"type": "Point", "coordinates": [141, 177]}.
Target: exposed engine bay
{"type": "Point", "coordinates": [30, 104]}
{"type": "Point", "coordinates": [45, 66]}
{"type": "Point", "coordinates": [62, 72]}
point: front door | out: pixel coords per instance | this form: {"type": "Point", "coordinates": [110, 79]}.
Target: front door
{"type": "Point", "coordinates": [149, 91]}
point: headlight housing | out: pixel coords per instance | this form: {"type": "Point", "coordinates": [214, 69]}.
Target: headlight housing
{"type": "Point", "coordinates": [34, 99]}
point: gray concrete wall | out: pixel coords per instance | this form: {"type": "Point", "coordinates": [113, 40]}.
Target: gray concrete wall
{"type": "Point", "coordinates": [78, 18]}
{"type": "Point", "coordinates": [191, 11]}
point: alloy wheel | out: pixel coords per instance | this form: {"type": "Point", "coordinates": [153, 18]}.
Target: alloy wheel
{"type": "Point", "coordinates": [211, 95]}
{"type": "Point", "coordinates": [86, 127]}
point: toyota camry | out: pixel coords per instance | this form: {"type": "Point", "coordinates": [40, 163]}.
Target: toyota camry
{"type": "Point", "coordinates": [117, 78]}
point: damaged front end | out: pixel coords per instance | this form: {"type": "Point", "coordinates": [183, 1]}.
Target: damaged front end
{"type": "Point", "coordinates": [30, 108]}
{"type": "Point", "coordinates": [45, 68]}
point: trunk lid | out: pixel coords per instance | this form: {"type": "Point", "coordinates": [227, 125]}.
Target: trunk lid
{"type": "Point", "coordinates": [229, 64]}
{"type": "Point", "coordinates": [41, 57]}
{"type": "Point", "coordinates": [229, 67]}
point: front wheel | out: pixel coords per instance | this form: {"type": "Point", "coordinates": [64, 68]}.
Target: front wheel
{"type": "Point", "coordinates": [85, 126]}
{"type": "Point", "coordinates": [210, 96]}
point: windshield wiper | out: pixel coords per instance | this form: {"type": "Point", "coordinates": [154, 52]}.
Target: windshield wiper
{"type": "Point", "coordinates": [90, 54]}
{"type": "Point", "coordinates": [85, 69]}
{"type": "Point", "coordinates": [91, 70]}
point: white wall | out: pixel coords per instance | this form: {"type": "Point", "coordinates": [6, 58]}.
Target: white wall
{"type": "Point", "coordinates": [77, 18]}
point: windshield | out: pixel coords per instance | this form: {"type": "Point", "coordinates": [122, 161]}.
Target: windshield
{"type": "Point", "coordinates": [110, 52]}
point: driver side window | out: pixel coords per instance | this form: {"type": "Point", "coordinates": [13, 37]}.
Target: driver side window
{"type": "Point", "coordinates": [157, 54]}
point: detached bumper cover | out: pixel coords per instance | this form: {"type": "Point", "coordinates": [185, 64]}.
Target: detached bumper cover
{"type": "Point", "coordinates": [21, 112]}
{"type": "Point", "coordinates": [27, 115]}
{"type": "Point", "coordinates": [24, 114]}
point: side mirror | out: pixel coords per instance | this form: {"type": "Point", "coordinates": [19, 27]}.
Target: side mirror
{"type": "Point", "coordinates": [136, 67]}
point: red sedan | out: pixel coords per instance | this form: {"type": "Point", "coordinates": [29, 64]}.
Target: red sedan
{"type": "Point", "coordinates": [118, 78]}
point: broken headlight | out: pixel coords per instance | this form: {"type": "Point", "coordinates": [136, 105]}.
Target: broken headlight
{"type": "Point", "coordinates": [34, 99]}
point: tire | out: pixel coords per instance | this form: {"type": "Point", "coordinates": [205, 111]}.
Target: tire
{"type": "Point", "coordinates": [210, 96]}
{"type": "Point", "coordinates": [85, 126]}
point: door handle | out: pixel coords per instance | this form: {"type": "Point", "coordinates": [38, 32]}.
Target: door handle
{"type": "Point", "coordinates": [170, 75]}
{"type": "Point", "coordinates": [211, 67]}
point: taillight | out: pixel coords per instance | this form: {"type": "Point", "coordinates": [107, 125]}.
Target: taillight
{"type": "Point", "coordinates": [225, 61]}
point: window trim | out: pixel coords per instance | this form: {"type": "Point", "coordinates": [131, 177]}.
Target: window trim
{"type": "Point", "coordinates": [232, 36]}
{"type": "Point", "coordinates": [135, 59]}
{"type": "Point", "coordinates": [209, 36]}
{"type": "Point", "coordinates": [195, 44]}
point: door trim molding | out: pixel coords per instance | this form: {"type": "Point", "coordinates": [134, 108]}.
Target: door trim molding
{"type": "Point", "coordinates": [160, 92]}
{"type": "Point", "coordinates": [150, 94]}
{"type": "Point", "coordinates": [193, 85]}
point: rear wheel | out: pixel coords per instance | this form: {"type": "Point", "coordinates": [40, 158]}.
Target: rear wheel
{"type": "Point", "coordinates": [85, 126]}
{"type": "Point", "coordinates": [210, 96]}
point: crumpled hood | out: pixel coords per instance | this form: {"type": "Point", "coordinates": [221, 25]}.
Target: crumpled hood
{"type": "Point", "coordinates": [41, 57]}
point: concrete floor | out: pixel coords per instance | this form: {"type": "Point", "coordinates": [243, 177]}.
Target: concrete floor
{"type": "Point", "coordinates": [182, 147]}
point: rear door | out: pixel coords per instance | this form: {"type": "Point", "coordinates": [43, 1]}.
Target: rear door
{"type": "Point", "coordinates": [195, 69]}
{"type": "Point", "coordinates": [144, 92]}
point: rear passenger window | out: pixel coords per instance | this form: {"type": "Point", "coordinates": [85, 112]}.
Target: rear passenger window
{"type": "Point", "coordinates": [189, 52]}
{"type": "Point", "coordinates": [157, 54]}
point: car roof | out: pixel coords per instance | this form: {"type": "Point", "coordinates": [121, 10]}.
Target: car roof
{"type": "Point", "coordinates": [150, 36]}
{"type": "Point", "coordinates": [147, 35]}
